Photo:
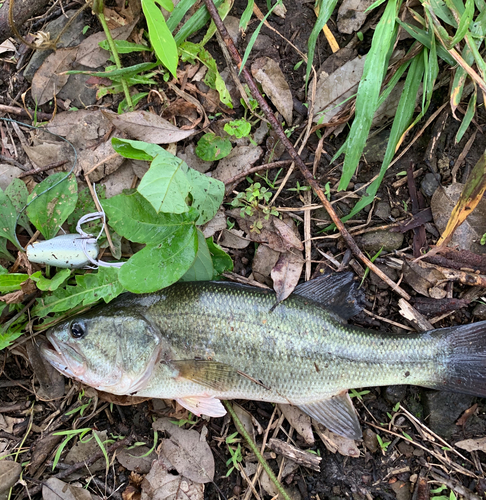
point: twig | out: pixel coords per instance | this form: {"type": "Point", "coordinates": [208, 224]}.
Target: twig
{"type": "Point", "coordinates": [293, 153]}
{"type": "Point", "coordinates": [21, 112]}
{"type": "Point", "coordinates": [43, 169]}
{"type": "Point", "coordinates": [241, 429]}
{"type": "Point", "coordinates": [259, 168]}
{"type": "Point", "coordinates": [13, 162]}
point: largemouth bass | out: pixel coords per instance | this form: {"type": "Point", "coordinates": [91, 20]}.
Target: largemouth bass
{"type": "Point", "coordinates": [202, 342]}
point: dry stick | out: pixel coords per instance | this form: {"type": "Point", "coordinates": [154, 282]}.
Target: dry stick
{"type": "Point", "coordinates": [21, 112]}
{"type": "Point", "coordinates": [43, 169]}
{"type": "Point", "coordinates": [293, 153]}
{"type": "Point", "coordinates": [259, 168]}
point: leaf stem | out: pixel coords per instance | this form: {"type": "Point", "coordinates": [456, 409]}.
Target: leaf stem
{"type": "Point", "coordinates": [241, 429]}
{"type": "Point", "coordinates": [114, 52]}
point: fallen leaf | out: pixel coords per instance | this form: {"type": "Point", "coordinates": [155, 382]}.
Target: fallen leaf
{"type": "Point", "coordinates": [467, 414]}
{"type": "Point", "coordinates": [240, 160]}
{"type": "Point", "coordinates": [88, 158]}
{"type": "Point", "coordinates": [48, 152]}
{"type": "Point", "coordinates": [147, 127]}
{"type": "Point", "coordinates": [85, 449]}
{"type": "Point", "coordinates": [300, 421]}
{"type": "Point", "coordinates": [421, 278]}
{"type": "Point", "coordinates": [54, 489]}
{"type": "Point", "coordinates": [246, 419]}
{"type": "Point", "coordinates": [9, 474]}
{"type": "Point", "coordinates": [161, 484]}
{"type": "Point", "coordinates": [472, 444]}
{"type": "Point", "coordinates": [352, 14]}
{"type": "Point", "coordinates": [136, 459]}
{"type": "Point", "coordinates": [470, 198]}
{"type": "Point", "coordinates": [92, 55]}
{"type": "Point", "coordinates": [287, 230]}
{"type": "Point", "coordinates": [268, 73]}
{"type": "Point", "coordinates": [467, 235]}
{"type": "Point", "coordinates": [233, 238]}
{"type": "Point", "coordinates": [217, 223]}
{"type": "Point", "coordinates": [48, 79]}
{"type": "Point", "coordinates": [7, 174]}
{"type": "Point", "coordinates": [190, 456]}
{"type": "Point", "coordinates": [335, 443]}
{"type": "Point", "coordinates": [286, 273]}
{"type": "Point", "coordinates": [263, 262]}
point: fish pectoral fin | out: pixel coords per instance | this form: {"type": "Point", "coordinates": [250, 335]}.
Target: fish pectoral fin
{"type": "Point", "coordinates": [337, 413]}
{"type": "Point", "coordinates": [208, 405]}
{"type": "Point", "coordinates": [212, 374]}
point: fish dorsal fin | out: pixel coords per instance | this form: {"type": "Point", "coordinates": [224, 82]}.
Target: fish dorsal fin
{"type": "Point", "coordinates": [337, 413]}
{"type": "Point", "coordinates": [212, 374]}
{"type": "Point", "coordinates": [207, 405]}
{"type": "Point", "coordinates": [338, 292]}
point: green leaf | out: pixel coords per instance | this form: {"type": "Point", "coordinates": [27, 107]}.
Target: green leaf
{"type": "Point", "coordinates": [86, 205]}
{"type": "Point", "coordinates": [207, 195]}
{"type": "Point", "coordinates": [246, 16]}
{"type": "Point", "coordinates": [178, 13]}
{"type": "Point", "coordinates": [470, 112]}
{"type": "Point", "coordinates": [136, 98]}
{"type": "Point", "coordinates": [369, 91]}
{"type": "Point", "coordinates": [238, 128]}
{"type": "Point", "coordinates": [202, 268]}
{"type": "Point", "coordinates": [134, 218]}
{"type": "Point", "coordinates": [49, 211]}
{"type": "Point", "coordinates": [160, 36]}
{"type": "Point", "coordinates": [13, 331]}
{"type": "Point", "coordinates": [211, 147]}
{"type": "Point", "coordinates": [158, 266]}
{"type": "Point", "coordinates": [193, 24]}
{"type": "Point", "coordinates": [136, 150]}
{"type": "Point", "coordinates": [8, 217]}
{"type": "Point", "coordinates": [3, 250]}
{"type": "Point", "coordinates": [221, 260]}
{"type": "Point", "coordinates": [124, 47]}
{"type": "Point", "coordinates": [117, 74]}
{"type": "Point", "coordinates": [165, 185]}
{"type": "Point", "coordinates": [49, 285]}
{"type": "Point", "coordinates": [18, 194]}
{"type": "Point", "coordinates": [11, 282]}
{"type": "Point", "coordinates": [166, 4]}
{"type": "Point", "coordinates": [89, 288]}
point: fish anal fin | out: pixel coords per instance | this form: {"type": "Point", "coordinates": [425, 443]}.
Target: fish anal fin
{"type": "Point", "coordinates": [203, 404]}
{"type": "Point", "coordinates": [338, 292]}
{"type": "Point", "coordinates": [212, 374]}
{"type": "Point", "coordinates": [337, 413]}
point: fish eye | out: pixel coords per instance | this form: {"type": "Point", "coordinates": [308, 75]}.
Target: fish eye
{"type": "Point", "coordinates": [77, 330]}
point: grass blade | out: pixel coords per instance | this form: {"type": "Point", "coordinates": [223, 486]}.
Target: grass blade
{"type": "Point", "coordinates": [466, 121]}
{"type": "Point", "coordinates": [369, 90]}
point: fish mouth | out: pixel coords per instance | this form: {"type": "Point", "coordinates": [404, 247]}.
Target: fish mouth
{"type": "Point", "coordinates": [65, 359]}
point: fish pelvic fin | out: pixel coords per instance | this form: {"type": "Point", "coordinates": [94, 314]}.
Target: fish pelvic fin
{"type": "Point", "coordinates": [212, 374]}
{"type": "Point", "coordinates": [338, 292]}
{"type": "Point", "coordinates": [203, 404]}
{"type": "Point", "coordinates": [465, 351]}
{"type": "Point", "coordinates": [337, 413]}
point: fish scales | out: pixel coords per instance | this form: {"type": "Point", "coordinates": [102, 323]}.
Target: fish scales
{"type": "Point", "coordinates": [298, 350]}
{"type": "Point", "coordinates": [202, 342]}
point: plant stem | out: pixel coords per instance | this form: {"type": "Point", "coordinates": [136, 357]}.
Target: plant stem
{"type": "Point", "coordinates": [241, 429]}
{"type": "Point", "coordinates": [293, 153]}
{"type": "Point", "coordinates": [114, 52]}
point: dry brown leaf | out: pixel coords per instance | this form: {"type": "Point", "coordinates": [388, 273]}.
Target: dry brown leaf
{"type": "Point", "coordinates": [92, 55]}
{"type": "Point", "coordinates": [300, 421]}
{"type": "Point", "coordinates": [268, 73]}
{"type": "Point", "coordinates": [240, 160]}
{"type": "Point", "coordinates": [263, 262]}
{"type": "Point", "coordinates": [48, 152]}
{"type": "Point", "coordinates": [421, 278]}
{"type": "Point", "coordinates": [88, 158]}
{"type": "Point", "coordinates": [287, 230]}
{"type": "Point", "coordinates": [470, 198]}
{"type": "Point", "coordinates": [335, 443]}
{"type": "Point", "coordinates": [48, 79]}
{"type": "Point", "coordinates": [233, 238]}
{"type": "Point", "coordinates": [136, 459]}
{"type": "Point", "coordinates": [286, 273]}
{"type": "Point", "coordinates": [467, 235]}
{"type": "Point", "coordinates": [9, 474]}
{"type": "Point", "coordinates": [54, 489]}
{"type": "Point", "coordinates": [160, 484]}
{"type": "Point", "coordinates": [472, 444]}
{"type": "Point", "coordinates": [352, 14]}
{"type": "Point", "coordinates": [190, 456]}
{"type": "Point", "coordinates": [147, 127]}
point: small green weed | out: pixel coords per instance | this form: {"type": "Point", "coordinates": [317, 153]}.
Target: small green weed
{"type": "Point", "coordinates": [236, 455]}
{"type": "Point", "coordinates": [383, 444]}
{"type": "Point", "coordinates": [353, 393]}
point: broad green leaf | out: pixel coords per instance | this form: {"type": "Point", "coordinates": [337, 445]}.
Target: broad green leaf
{"type": "Point", "coordinates": [13, 331]}
{"type": "Point", "coordinates": [207, 195]}
{"type": "Point", "coordinates": [211, 147]}
{"type": "Point", "coordinates": [369, 91]}
{"type": "Point", "coordinates": [124, 47]}
{"type": "Point", "coordinates": [136, 98]}
{"type": "Point", "coordinates": [158, 266]}
{"type": "Point", "coordinates": [8, 217]}
{"type": "Point", "coordinates": [12, 281]}
{"type": "Point", "coordinates": [51, 209]}
{"type": "Point", "coordinates": [86, 205]}
{"type": "Point", "coordinates": [49, 285]}
{"type": "Point", "coordinates": [89, 288]}
{"type": "Point", "coordinates": [166, 4]}
{"type": "Point", "coordinates": [18, 194]}
{"type": "Point", "coordinates": [238, 128]}
{"type": "Point", "coordinates": [134, 218]}
{"type": "Point", "coordinates": [160, 36]}
{"type": "Point", "coordinates": [165, 185]}
{"type": "Point", "coordinates": [221, 260]}
{"type": "Point", "coordinates": [3, 250]}
{"type": "Point", "coordinates": [136, 150]}
{"type": "Point", "coordinates": [202, 268]}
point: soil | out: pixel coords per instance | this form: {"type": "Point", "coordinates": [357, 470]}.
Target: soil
{"type": "Point", "coordinates": [396, 467]}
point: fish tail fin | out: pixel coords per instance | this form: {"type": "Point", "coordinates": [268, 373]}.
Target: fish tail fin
{"type": "Point", "coordinates": [466, 353]}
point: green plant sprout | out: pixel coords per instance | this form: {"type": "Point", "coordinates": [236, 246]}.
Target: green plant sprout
{"type": "Point", "coordinates": [183, 421]}
{"type": "Point", "coordinates": [383, 444]}
{"type": "Point", "coordinates": [353, 393]}
{"type": "Point", "coordinates": [236, 455]}
{"type": "Point", "coordinates": [271, 184]}
{"type": "Point", "coordinates": [300, 189]}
